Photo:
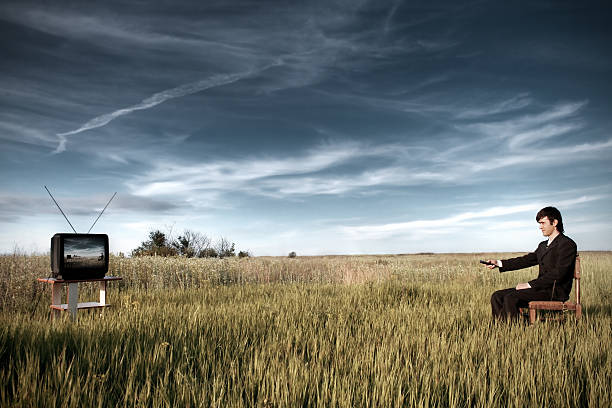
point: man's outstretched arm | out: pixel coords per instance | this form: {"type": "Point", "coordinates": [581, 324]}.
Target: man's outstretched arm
{"type": "Point", "coordinates": [520, 262]}
{"type": "Point", "coordinates": [495, 263]}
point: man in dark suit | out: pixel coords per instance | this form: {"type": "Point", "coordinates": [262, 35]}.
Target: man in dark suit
{"type": "Point", "coordinates": [556, 258]}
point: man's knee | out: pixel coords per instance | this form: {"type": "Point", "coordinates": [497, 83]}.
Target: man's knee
{"type": "Point", "coordinates": [510, 301]}
{"type": "Point", "coordinates": [497, 296]}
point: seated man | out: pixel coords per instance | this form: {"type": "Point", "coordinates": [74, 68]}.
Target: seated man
{"type": "Point", "coordinates": [556, 259]}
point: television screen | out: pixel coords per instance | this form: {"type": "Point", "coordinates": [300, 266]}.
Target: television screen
{"type": "Point", "coordinates": [79, 256]}
{"type": "Point", "coordinates": [84, 252]}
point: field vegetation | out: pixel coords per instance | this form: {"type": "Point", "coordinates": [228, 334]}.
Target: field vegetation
{"type": "Point", "coordinates": [345, 331]}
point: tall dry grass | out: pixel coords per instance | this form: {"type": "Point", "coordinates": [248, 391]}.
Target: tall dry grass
{"type": "Point", "coordinates": [322, 331]}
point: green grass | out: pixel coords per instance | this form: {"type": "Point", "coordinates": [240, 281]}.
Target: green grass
{"type": "Point", "coordinates": [322, 331]}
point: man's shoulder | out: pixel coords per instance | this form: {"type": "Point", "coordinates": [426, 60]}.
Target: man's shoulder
{"type": "Point", "coordinates": [560, 240]}
{"type": "Point", "coordinates": [565, 244]}
{"type": "Point", "coordinates": [566, 240]}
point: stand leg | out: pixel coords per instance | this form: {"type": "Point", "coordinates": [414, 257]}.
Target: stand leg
{"type": "Point", "coordinates": [73, 299]}
{"type": "Point", "coordinates": [102, 292]}
{"type": "Point", "coordinates": [56, 299]}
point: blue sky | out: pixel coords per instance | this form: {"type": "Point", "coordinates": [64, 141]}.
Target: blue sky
{"type": "Point", "coordinates": [321, 127]}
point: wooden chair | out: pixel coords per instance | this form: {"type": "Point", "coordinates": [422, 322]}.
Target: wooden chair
{"type": "Point", "coordinates": [534, 306]}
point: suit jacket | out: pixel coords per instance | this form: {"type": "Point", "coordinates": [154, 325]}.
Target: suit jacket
{"type": "Point", "coordinates": [556, 264]}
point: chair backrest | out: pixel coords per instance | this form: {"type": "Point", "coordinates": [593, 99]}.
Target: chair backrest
{"type": "Point", "coordinates": [577, 279]}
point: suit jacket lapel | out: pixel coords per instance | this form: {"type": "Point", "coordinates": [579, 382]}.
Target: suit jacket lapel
{"type": "Point", "coordinates": [555, 242]}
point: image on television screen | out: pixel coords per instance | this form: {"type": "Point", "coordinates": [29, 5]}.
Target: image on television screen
{"type": "Point", "coordinates": [84, 252]}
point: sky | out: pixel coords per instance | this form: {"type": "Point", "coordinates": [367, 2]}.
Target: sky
{"type": "Point", "coordinates": [320, 127]}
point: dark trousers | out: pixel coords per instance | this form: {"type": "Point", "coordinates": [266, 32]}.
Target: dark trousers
{"type": "Point", "coordinates": [505, 303]}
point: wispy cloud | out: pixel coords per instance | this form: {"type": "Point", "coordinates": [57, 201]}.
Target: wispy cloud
{"type": "Point", "coordinates": [334, 184]}
{"type": "Point", "coordinates": [525, 138]}
{"type": "Point", "coordinates": [515, 103]}
{"type": "Point", "coordinates": [113, 31]}
{"type": "Point", "coordinates": [12, 131]}
{"type": "Point", "coordinates": [448, 224]}
{"type": "Point", "coordinates": [317, 172]}
{"type": "Point", "coordinates": [73, 24]}
{"type": "Point", "coordinates": [339, 168]}
{"type": "Point", "coordinates": [389, 18]}
{"type": "Point", "coordinates": [163, 96]}
{"type": "Point", "coordinates": [239, 175]}
{"type": "Point", "coordinates": [529, 128]}
{"type": "Point", "coordinates": [545, 157]}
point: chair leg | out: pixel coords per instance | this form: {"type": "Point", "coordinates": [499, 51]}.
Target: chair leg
{"type": "Point", "coordinates": [532, 316]}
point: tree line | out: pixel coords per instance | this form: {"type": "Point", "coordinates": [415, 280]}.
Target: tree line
{"type": "Point", "coordinates": [190, 244]}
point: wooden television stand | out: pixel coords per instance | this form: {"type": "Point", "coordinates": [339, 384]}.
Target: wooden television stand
{"type": "Point", "coordinates": [73, 295]}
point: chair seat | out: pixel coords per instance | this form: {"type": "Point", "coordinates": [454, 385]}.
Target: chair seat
{"type": "Point", "coordinates": [552, 305]}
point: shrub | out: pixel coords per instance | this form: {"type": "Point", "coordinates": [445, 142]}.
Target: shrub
{"type": "Point", "coordinates": [156, 245]}
{"type": "Point", "coordinates": [191, 243]}
{"type": "Point", "coordinates": [208, 253]}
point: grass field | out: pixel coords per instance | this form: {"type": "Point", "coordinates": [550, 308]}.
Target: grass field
{"type": "Point", "coordinates": [344, 331]}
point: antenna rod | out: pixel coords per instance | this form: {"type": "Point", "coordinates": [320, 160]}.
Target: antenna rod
{"type": "Point", "coordinates": [92, 225]}
{"type": "Point", "coordinates": [60, 208]}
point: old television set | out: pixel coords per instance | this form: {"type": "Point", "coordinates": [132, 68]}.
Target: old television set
{"type": "Point", "coordinates": [79, 256]}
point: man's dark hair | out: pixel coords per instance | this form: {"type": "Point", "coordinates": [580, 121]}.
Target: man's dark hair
{"type": "Point", "coordinates": [553, 214]}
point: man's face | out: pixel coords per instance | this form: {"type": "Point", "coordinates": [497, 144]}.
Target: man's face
{"type": "Point", "coordinates": [546, 226]}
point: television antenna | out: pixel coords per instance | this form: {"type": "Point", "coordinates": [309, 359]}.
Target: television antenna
{"type": "Point", "coordinates": [94, 223]}
{"type": "Point", "coordinates": [109, 201]}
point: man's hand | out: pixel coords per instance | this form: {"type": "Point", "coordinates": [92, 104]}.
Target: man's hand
{"type": "Point", "coordinates": [522, 286]}
{"type": "Point", "coordinates": [492, 261]}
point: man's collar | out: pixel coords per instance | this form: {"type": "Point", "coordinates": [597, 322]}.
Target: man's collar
{"type": "Point", "coordinates": [552, 238]}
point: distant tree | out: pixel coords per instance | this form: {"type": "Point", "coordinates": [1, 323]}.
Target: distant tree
{"type": "Point", "coordinates": [158, 239]}
{"type": "Point", "coordinates": [244, 254]}
{"type": "Point", "coordinates": [191, 243]}
{"type": "Point", "coordinates": [183, 246]}
{"type": "Point", "coordinates": [225, 248]}
{"type": "Point", "coordinates": [208, 253]}
{"type": "Point", "coordinates": [157, 244]}
{"type": "Point", "coordinates": [292, 254]}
